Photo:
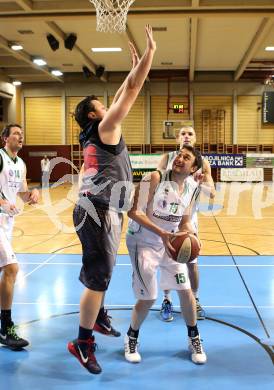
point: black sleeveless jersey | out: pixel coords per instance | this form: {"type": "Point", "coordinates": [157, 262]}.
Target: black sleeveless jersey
{"type": "Point", "coordinates": [107, 178]}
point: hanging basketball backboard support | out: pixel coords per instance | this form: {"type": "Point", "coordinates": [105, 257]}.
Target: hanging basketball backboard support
{"type": "Point", "coordinates": [171, 128]}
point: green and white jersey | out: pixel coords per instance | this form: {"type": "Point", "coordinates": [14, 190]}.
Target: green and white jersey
{"type": "Point", "coordinates": [194, 217]}
{"type": "Point", "coordinates": [166, 209]}
{"type": "Point", "coordinates": [170, 158]}
{"type": "Point", "coordinates": [12, 176]}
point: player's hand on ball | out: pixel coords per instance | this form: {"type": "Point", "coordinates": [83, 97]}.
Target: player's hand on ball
{"type": "Point", "coordinates": [166, 236]}
{"type": "Point", "coordinates": [187, 247]}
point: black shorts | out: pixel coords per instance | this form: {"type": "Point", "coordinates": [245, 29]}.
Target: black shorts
{"type": "Point", "coordinates": [99, 245]}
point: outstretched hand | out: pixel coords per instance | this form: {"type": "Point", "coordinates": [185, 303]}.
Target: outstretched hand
{"type": "Point", "coordinates": [151, 44]}
{"type": "Point", "coordinates": [134, 55]}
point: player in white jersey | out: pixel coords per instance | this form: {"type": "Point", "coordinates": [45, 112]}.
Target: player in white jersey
{"type": "Point", "coordinates": [12, 183]}
{"type": "Point", "coordinates": [161, 207]}
{"type": "Point", "coordinates": [187, 136]}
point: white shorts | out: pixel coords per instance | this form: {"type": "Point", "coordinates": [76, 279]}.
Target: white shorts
{"type": "Point", "coordinates": [194, 224]}
{"type": "Point", "coordinates": [7, 255]}
{"type": "Point", "coordinates": [145, 261]}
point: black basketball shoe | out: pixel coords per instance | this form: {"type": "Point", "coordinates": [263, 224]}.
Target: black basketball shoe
{"type": "Point", "coordinates": [87, 359]}
{"type": "Point", "coordinates": [10, 338]}
{"type": "Point", "coordinates": [103, 324]}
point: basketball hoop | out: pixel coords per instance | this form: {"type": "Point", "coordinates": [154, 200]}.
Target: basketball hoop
{"type": "Point", "coordinates": [111, 15]}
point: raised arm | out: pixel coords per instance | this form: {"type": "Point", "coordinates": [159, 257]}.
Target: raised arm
{"type": "Point", "coordinates": [110, 126]}
{"type": "Point", "coordinates": [144, 194]}
{"type": "Point", "coordinates": [208, 186]}
{"type": "Point", "coordinates": [134, 60]}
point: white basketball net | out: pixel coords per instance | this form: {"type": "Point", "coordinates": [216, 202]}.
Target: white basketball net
{"type": "Point", "coordinates": [111, 15]}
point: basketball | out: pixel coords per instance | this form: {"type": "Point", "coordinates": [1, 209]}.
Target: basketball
{"type": "Point", "coordinates": [187, 247]}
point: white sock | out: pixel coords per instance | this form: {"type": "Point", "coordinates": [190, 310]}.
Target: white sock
{"type": "Point", "coordinates": [167, 296]}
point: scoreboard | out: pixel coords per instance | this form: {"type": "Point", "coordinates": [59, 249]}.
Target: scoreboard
{"type": "Point", "coordinates": [268, 107]}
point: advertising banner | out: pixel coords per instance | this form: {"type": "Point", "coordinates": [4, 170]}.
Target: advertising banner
{"type": "Point", "coordinates": [223, 160]}
{"type": "Point", "coordinates": [260, 160]}
{"type": "Point", "coordinates": [143, 164]}
{"type": "Point", "coordinates": [242, 174]}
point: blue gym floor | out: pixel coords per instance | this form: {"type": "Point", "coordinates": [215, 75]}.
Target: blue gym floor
{"type": "Point", "coordinates": [236, 292]}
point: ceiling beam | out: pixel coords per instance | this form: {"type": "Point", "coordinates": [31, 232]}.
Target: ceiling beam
{"type": "Point", "coordinates": [4, 53]}
{"type": "Point", "coordinates": [4, 76]}
{"type": "Point", "coordinates": [178, 12]}
{"type": "Point", "coordinates": [27, 5]}
{"type": "Point", "coordinates": [22, 55]}
{"type": "Point", "coordinates": [259, 36]}
{"type": "Point", "coordinates": [54, 29]}
{"type": "Point", "coordinates": [21, 71]}
{"type": "Point", "coordinates": [193, 46]}
{"type": "Point", "coordinates": [7, 62]}
{"type": "Point", "coordinates": [139, 6]}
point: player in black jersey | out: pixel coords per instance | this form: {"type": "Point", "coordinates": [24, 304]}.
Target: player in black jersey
{"type": "Point", "coordinates": [107, 182]}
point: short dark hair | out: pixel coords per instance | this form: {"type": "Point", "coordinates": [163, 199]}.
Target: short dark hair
{"type": "Point", "coordinates": [82, 109]}
{"type": "Point", "coordinates": [6, 131]}
{"type": "Point", "coordinates": [198, 162]}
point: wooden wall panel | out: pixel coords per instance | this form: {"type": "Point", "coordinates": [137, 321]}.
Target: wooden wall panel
{"type": "Point", "coordinates": [213, 103]}
{"type": "Point", "coordinates": [43, 120]}
{"type": "Point", "coordinates": [250, 128]}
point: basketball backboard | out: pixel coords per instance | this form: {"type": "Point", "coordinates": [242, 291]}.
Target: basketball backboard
{"type": "Point", "coordinates": [171, 127]}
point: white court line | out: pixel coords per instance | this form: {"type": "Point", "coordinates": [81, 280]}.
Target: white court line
{"type": "Point", "coordinates": [127, 264]}
{"type": "Point", "coordinates": [269, 341]}
{"type": "Point", "coordinates": [156, 306]}
{"type": "Point", "coordinates": [39, 266]}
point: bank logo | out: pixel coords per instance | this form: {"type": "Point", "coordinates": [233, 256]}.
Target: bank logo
{"type": "Point", "coordinates": [239, 161]}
